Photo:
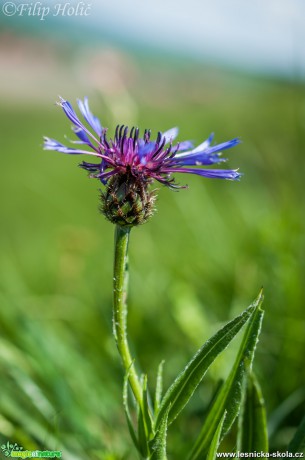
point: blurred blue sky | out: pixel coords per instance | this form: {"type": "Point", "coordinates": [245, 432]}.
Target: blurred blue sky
{"type": "Point", "coordinates": [261, 35]}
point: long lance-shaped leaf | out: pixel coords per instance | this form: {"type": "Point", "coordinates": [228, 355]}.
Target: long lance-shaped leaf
{"type": "Point", "coordinates": [158, 445]}
{"type": "Point", "coordinates": [212, 453]}
{"type": "Point", "coordinates": [298, 442]}
{"type": "Point", "coordinates": [144, 422]}
{"type": "Point", "coordinates": [252, 427]}
{"type": "Point", "coordinates": [229, 396]}
{"type": "Point", "coordinates": [186, 383]}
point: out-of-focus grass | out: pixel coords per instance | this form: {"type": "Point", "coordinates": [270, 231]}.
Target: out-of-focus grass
{"type": "Point", "coordinates": [199, 261]}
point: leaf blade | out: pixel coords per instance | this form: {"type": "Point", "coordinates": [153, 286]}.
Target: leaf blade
{"type": "Point", "coordinates": [230, 394]}
{"type": "Point", "coordinates": [252, 427]}
{"type": "Point", "coordinates": [212, 453]}
{"type": "Point", "coordinates": [187, 381]}
{"type": "Point", "coordinates": [144, 421]}
{"type": "Point", "coordinates": [158, 445]}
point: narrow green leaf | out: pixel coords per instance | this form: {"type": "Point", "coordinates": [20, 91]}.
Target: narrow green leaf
{"type": "Point", "coordinates": [252, 427]}
{"type": "Point", "coordinates": [146, 409]}
{"type": "Point", "coordinates": [142, 434]}
{"type": "Point", "coordinates": [178, 395]}
{"type": "Point", "coordinates": [297, 443]}
{"type": "Point", "coordinates": [144, 422]}
{"type": "Point", "coordinates": [127, 412]}
{"type": "Point", "coordinates": [230, 394]}
{"type": "Point", "coordinates": [216, 440]}
{"type": "Point", "coordinates": [159, 385]}
{"type": "Point", "coordinates": [158, 446]}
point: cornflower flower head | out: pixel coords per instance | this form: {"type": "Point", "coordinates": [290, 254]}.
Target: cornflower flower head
{"type": "Point", "coordinates": [128, 164]}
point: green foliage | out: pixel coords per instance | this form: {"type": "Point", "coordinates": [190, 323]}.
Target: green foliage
{"type": "Point", "coordinates": [152, 429]}
{"type": "Point", "coordinates": [144, 423]}
{"type": "Point", "coordinates": [186, 383]}
{"type": "Point", "coordinates": [158, 445]}
{"type": "Point", "coordinates": [229, 397]}
{"type": "Point", "coordinates": [252, 426]}
{"type": "Point", "coordinates": [216, 440]}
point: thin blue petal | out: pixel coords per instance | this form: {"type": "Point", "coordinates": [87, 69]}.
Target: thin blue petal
{"type": "Point", "coordinates": [204, 145]}
{"type": "Point", "coordinates": [93, 121]}
{"type": "Point", "coordinates": [202, 154]}
{"type": "Point", "coordinates": [81, 134]}
{"type": "Point", "coordinates": [223, 146]}
{"type": "Point", "coordinates": [201, 159]}
{"type": "Point", "coordinates": [229, 174]}
{"type": "Point", "coordinates": [170, 135]}
{"type": "Point", "coordinates": [185, 145]}
{"type": "Point", "coordinates": [70, 113]}
{"type": "Point", "coordinates": [52, 144]}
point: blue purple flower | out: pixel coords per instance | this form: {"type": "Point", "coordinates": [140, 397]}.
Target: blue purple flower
{"type": "Point", "coordinates": [142, 158]}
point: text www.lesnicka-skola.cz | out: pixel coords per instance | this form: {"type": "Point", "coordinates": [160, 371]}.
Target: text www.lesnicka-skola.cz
{"type": "Point", "coordinates": [260, 454]}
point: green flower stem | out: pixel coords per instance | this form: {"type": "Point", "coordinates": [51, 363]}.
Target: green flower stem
{"type": "Point", "coordinates": [120, 284]}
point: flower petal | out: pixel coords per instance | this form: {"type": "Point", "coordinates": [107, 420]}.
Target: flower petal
{"type": "Point", "coordinates": [81, 134]}
{"type": "Point", "coordinates": [70, 113]}
{"type": "Point", "coordinates": [223, 146]}
{"type": "Point", "coordinates": [92, 120]}
{"type": "Point", "coordinates": [203, 150]}
{"type": "Point", "coordinates": [204, 145]}
{"type": "Point", "coordinates": [183, 146]}
{"type": "Point", "coordinates": [170, 135]}
{"type": "Point", "coordinates": [200, 159]}
{"type": "Point", "coordinates": [52, 144]}
{"type": "Point", "coordinates": [230, 174]}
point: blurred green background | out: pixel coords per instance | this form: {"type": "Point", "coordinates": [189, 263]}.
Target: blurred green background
{"type": "Point", "coordinates": [199, 261]}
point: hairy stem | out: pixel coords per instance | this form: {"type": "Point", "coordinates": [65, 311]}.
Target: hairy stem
{"type": "Point", "coordinates": [120, 285]}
